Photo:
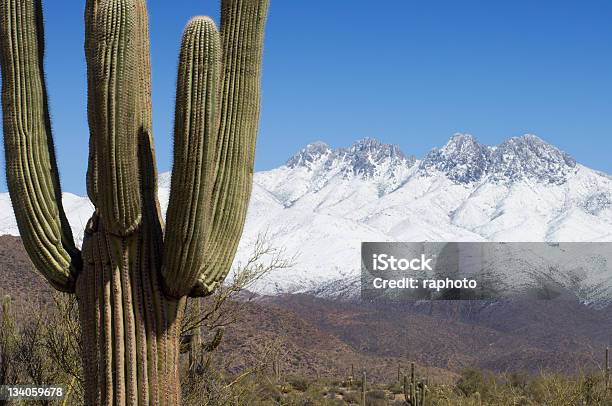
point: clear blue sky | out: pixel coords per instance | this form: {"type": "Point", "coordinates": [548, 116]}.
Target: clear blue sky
{"type": "Point", "coordinates": [407, 72]}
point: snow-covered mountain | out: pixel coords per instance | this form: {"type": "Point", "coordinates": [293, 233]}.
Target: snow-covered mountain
{"type": "Point", "coordinates": [324, 202]}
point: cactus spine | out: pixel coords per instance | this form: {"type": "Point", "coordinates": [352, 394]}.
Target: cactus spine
{"type": "Point", "coordinates": [132, 276]}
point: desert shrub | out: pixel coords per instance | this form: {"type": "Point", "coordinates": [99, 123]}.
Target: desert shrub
{"type": "Point", "coordinates": [396, 388]}
{"type": "Point", "coordinates": [472, 381]}
{"type": "Point", "coordinates": [376, 402]}
{"type": "Point", "coordinates": [332, 393]}
{"type": "Point", "coordinates": [584, 389]}
{"type": "Point", "coordinates": [518, 380]}
{"type": "Point", "coordinates": [352, 397]}
{"type": "Point", "coordinates": [376, 394]}
{"type": "Point", "coordinates": [589, 388]}
{"type": "Point", "coordinates": [41, 346]}
{"type": "Point", "coordinates": [297, 401]}
{"type": "Point", "coordinates": [310, 399]}
{"type": "Point", "coordinates": [316, 390]}
{"type": "Point", "coordinates": [8, 344]}
{"type": "Point", "coordinates": [269, 391]}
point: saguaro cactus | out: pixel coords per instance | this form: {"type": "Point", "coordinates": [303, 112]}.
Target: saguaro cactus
{"type": "Point", "coordinates": [415, 392]}
{"type": "Point", "coordinates": [132, 277]}
{"type": "Point", "coordinates": [607, 369]}
{"type": "Point", "coordinates": [364, 388]}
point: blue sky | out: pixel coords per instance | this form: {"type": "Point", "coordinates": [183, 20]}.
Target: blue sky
{"type": "Point", "coordinates": [404, 71]}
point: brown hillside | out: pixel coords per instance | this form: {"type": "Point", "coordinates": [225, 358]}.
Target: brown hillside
{"type": "Point", "coordinates": [320, 337]}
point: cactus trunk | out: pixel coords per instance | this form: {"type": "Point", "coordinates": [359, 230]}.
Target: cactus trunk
{"type": "Point", "coordinates": [130, 329]}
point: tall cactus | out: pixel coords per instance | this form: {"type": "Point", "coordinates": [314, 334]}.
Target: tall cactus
{"type": "Point", "coordinates": [415, 393]}
{"type": "Point", "coordinates": [132, 276]}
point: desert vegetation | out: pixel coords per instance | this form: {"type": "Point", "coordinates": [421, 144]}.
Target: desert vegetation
{"type": "Point", "coordinates": [40, 344]}
{"type": "Point", "coordinates": [550, 390]}
{"type": "Point", "coordinates": [43, 349]}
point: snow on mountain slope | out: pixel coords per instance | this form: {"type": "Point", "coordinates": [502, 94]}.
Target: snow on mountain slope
{"type": "Point", "coordinates": [324, 202]}
{"type": "Point", "coordinates": [521, 190]}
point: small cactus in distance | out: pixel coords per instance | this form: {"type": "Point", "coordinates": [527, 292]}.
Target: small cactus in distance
{"type": "Point", "coordinates": [607, 369]}
{"type": "Point", "coordinates": [364, 388]}
{"type": "Point", "coordinates": [276, 369]}
{"type": "Point", "coordinates": [133, 275]}
{"type": "Point", "coordinates": [415, 392]}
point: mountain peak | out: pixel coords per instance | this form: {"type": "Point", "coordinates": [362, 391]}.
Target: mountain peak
{"type": "Point", "coordinates": [309, 155]}
{"type": "Point", "coordinates": [375, 146]}
{"type": "Point", "coordinates": [367, 142]}
{"type": "Point", "coordinates": [461, 139]}
{"type": "Point", "coordinates": [534, 143]}
{"type": "Point", "coordinates": [364, 157]}
{"type": "Point", "coordinates": [530, 156]}
{"type": "Point", "coordinates": [463, 159]}
{"type": "Point", "coordinates": [367, 155]}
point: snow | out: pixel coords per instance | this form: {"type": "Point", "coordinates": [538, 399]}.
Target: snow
{"type": "Point", "coordinates": [324, 202]}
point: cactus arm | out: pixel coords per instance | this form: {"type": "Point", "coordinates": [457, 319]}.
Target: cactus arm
{"type": "Point", "coordinates": [195, 136]}
{"type": "Point", "coordinates": [112, 68]}
{"type": "Point", "coordinates": [242, 33]}
{"type": "Point", "coordinates": [92, 168]}
{"type": "Point", "coordinates": [30, 158]}
{"type": "Point", "coordinates": [148, 164]}
{"type": "Point", "coordinates": [146, 148]}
